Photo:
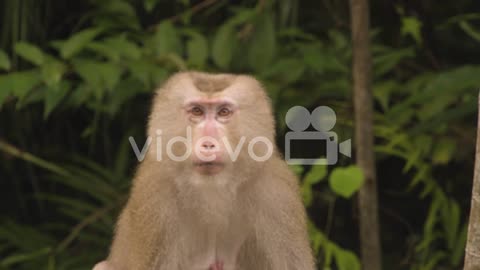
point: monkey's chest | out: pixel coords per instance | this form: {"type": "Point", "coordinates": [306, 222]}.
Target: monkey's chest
{"type": "Point", "coordinates": [213, 247]}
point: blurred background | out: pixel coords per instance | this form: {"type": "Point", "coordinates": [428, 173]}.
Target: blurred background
{"type": "Point", "coordinates": [77, 77]}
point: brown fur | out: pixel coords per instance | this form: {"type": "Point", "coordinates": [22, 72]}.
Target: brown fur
{"type": "Point", "coordinates": [250, 215]}
{"type": "Point", "coordinates": [208, 83]}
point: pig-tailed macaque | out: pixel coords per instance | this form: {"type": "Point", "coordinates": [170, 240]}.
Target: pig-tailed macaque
{"type": "Point", "coordinates": [212, 192]}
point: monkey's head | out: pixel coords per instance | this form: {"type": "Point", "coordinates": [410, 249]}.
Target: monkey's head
{"type": "Point", "coordinates": [210, 123]}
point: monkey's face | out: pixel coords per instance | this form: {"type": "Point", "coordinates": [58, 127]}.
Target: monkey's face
{"type": "Point", "coordinates": [213, 123]}
{"type": "Point", "coordinates": [209, 118]}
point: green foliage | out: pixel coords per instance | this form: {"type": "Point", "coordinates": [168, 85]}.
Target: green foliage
{"type": "Point", "coordinates": [30, 53]}
{"type": "Point", "coordinates": [224, 45]}
{"type": "Point", "coordinates": [77, 42]}
{"type": "Point", "coordinates": [262, 45]}
{"type": "Point", "coordinates": [411, 26]}
{"type": "Point", "coordinates": [346, 181]}
{"type": "Point", "coordinates": [19, 83]}
{"type": "Point", "coordinates": [470, 30]}
{"type": "Point", "coordinates": [330, 252]}
{"type": "Point", "coordinates": [4, 61]}
{"type": "Point", "coordinates": [333, 254]}
{"type": "Point", "coordinates": [314, 176]}
{"type": "Point", "coordinates": [197, 48]}
{"type": "Point", "coordinates": [165, 40]}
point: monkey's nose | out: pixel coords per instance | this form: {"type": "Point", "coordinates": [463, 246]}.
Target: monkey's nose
{"type": "Point", "coordinates": [208, 146]}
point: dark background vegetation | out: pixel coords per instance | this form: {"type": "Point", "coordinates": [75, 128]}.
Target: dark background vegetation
{"type": "Point", "coordinates": [76, 78]}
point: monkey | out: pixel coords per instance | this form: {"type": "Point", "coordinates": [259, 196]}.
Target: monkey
{"type": "Point", "coordinates": [222, 206]}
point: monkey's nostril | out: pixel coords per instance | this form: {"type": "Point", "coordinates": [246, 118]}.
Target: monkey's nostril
{"type": "Point", "coordinates": [208, 145]}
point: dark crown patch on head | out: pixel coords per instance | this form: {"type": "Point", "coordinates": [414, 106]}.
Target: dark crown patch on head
{"type": "Point", "coordinates": [209, 83]}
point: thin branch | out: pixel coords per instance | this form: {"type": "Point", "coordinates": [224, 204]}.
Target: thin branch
{"type": "Point", "coordinates": [87, 221]}
{"type": "Point", "coordinates": [194, 9]}
{"type": "Point", "coordinates": [338, 21]}
{"type": "Point", "coordinates": [14, 151]}
{"type": "Point", "coordinates": [331, 211]}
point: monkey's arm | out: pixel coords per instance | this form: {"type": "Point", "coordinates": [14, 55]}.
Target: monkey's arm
{"type": "Point", "coordinates": [132, 247]}
{"type": "Point", "coordinates": [145, 229]}
{"type": "Point", "coordinates": [281, 225]}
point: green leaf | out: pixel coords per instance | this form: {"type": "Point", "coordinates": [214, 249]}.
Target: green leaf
{"type": "Point", "coordinates": [297, 169]}
{"type": "Point", "coordinates": [242, 16]}
{"type": "Point", "coordinates": [114, 48]}
{"type": "Point", "coordinates": [262, 44]}
{"type": "Point", "coordinates": [97, 74]}
{"type": "Point", "coordinates": [317, 58]}
{"type": "Point", "coordinates": [24, 237]}
{"type": "Point", "coordinates": [79, 96]}
{"type": "Point", "coordinates": [142, 70]}
{"type": "Point", "coordinates": [387, 61]}
{"type": "Point", "coordinates": [225, 41]}
{"type": "Point", "coordinates": [443, 151]}
{"type": "Point", "coordinates": [87, 70]}
{"type": "Point", "coordinates": [4, 62]}
{"type": "Point", "coordinates": [123, 47]}
{"type": "Point", "coordinates": [412, 26]}
{"type": "Point", "coordinates": [149, 5]}
{"type": "Point", "coordinates": [77, 42]}
{"type": "Point", "coordinates": [121, 8]}
{"type": "Point", "coordinates": [286, 70]}
{"type": "Point", "coordinates": [339, 39]}
{"type": "Point", "coordinates": [24, 257]}
{"type": "Point", "coordinates": [18, 83]}
{"type": "Point", "coordinates": [316, 174]}
{"type": "Point", "coordinates": [54, 95]}
{"type": "Point", "coordinates": [458, 250]}
{"type": "Point", "coordinates": [30, 52]}
{"type": "Point", "coordinates": [223, 45]}
{"type": "Point", "coordinates": [125, 91]}
{"type": "Point", "coordinates": [35, 96]}
{"type": "Point", "coordinates": [346, 181]}
{"type": "Point", "coordinates": [383, 90]}
{"type": "Point", "coordinates": [5, 88]}
{"type": "Point", "coordinates": [159, 75]}
{"type": "Point", "coordinates": [346, 260]}
{"type": "Point", "coordinates": [450, 213]}
{"type": "Point", "coordinates": [469, 30]}
{"type": "Point", "coordinates": [307, 195]}
{"type": "Point", "coordinates": [166, 40]}
{"type": "Point", "coordinates": [197, 49]}
{"type": "Point", "coordinates": [52, 71]}
{"type": "Point", "coordinates": [428, 88]}
{"type": "Point", "coordinates": [453, 81]}
{"type": "Point", "coordinates": [104, 50]}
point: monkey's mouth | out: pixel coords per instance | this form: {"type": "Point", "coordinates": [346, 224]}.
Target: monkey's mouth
{"type": "Point", "coordinates": [208, 167]}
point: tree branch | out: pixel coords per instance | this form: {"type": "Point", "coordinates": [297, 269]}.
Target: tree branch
{"type": "Point", "coordinates": [14, 151]}
{"type": "Point", "coordinates": [472, 250]}
{"type": "Point", "coordinates": [364, 139]}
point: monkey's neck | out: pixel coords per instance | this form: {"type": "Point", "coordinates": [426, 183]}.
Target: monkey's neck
{"type": "Point", "coordinates": [208, 200]}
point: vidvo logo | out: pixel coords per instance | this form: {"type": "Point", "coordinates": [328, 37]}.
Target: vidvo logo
{"type": "Point", "coordinates": [322, 119]}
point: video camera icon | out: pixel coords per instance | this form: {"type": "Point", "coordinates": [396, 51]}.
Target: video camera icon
{"type": "Point", "coordinates": [323, 119]}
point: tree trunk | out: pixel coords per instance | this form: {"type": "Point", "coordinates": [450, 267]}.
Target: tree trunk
{"type": "Point", "coordinates": [367, 198]}
{"type": "Point", "coordinates": [472, 251]}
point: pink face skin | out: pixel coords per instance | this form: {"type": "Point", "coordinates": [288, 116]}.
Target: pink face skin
{"type": "Point", "coordinates": [209, 117]}
{"type": "Point", "coordinates": [216, 266]}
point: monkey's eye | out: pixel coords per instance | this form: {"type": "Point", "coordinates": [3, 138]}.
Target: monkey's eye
{"type": "Point", "coordinates": [224, 112]}
{"type": "Point", "coordinates": [196, 111]}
